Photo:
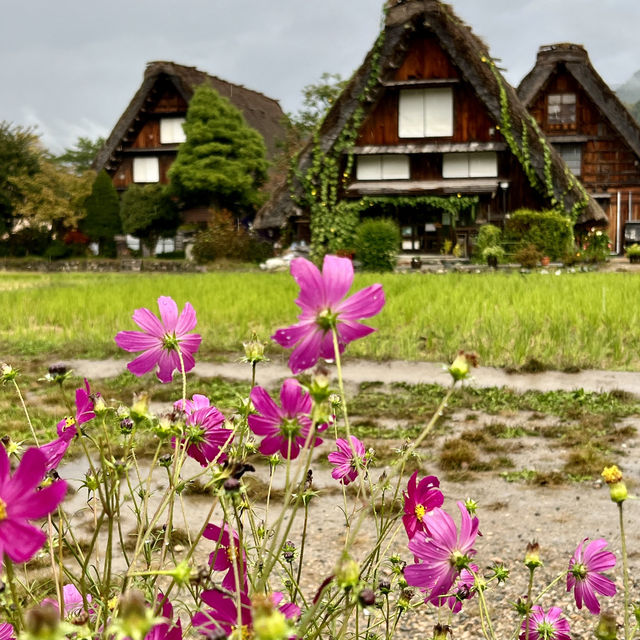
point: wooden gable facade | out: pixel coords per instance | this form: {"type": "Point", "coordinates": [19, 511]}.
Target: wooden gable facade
{"type": "Point", "coordinates": [435, 112]}
{"type": "Point", "coordinates": [590, 127]}
{"type": "Point", "coordinates": [145, 141]}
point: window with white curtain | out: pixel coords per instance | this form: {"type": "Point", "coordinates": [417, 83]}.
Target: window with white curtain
{"type": "Point", "coordinates": [425, 113]}
{"type": "Point", "coordinates": [481, 164]}
{"type": "Point", "coordinates": [146, 169]}
{"type": "Point", "coordinates": [383, 167]}
{"type": "Point", "coordinates": [171, 131]}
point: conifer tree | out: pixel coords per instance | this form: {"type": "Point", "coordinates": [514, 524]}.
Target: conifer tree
{"type": "Point", "coordinates": [102, 221]}
{"type": "Point", "coordinates": [222, 163]}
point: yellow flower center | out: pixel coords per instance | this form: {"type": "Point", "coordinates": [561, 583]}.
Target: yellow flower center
{"type": "Point", "coordinates": [420, 511]}
{"type": "Point", "coordinates": [3, 509]}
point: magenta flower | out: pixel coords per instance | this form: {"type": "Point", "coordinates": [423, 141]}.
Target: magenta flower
{"type": "Point", "coordinates": [323, 308]}
{"type": "Point", "coordinates": [223, 613]}
{"type": "Point", "coordinates": [546, 626]}
{"type": "Point", "coordinates": [290, 610]}
{"type": "Point", "coordinates": [461, 589]}
{"type": "Point", "coordinates": [161, 340]}
{"type": "Point", "coordinates": [7, 632]}
{"type": "Point", "coordinates": [222, 558]}
{"type": "Point", "coordinates": [444, 553]}
{"type": "Point", "coordinates": [348, 459]}
{"type": "Point", "coordinates": [72, 598]}
{"type": "Point", "coordinates": [204, 433]}
{"type": "Point", "coordinates": [166, 630]}
{"type": "Point", "coordinates": [67, 428]}
{"type": "Point", "coordinates": [21, 501]}
{"type": "Point", "coordinates": [585, 574]}
{"type": "Point", "coordinates": [420, 499]}
{"type": "Point", "coordinates": [284, 428]}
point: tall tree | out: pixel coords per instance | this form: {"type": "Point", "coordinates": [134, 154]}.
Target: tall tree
{"type": "Point", "coordinates": [54, 197]}
{"type": "Point", "coordinates": [102, 221]}
{"type": "Point", "coordinates": [19, 160]}
{"type": "Point", "coordinates": [317, 99]}
{"type": "Point", "coordinates": [223, 162]}
{"type": "Point", "coordinates": [149, 213]}
{"type": "Point", "coordinates": [80, 157]}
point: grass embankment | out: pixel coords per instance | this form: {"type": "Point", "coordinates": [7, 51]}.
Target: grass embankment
{"type": "Point", "coordinates": [575, 320]}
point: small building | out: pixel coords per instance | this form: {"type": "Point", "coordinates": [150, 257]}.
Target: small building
{"type": "Point", "coordinates": [593, 131]}
{"type": "Point", "coordinates": [429, 132]}
{"type": "Point", "coordinates": [145, 140]}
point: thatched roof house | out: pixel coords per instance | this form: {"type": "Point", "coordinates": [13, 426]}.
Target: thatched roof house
{"type": "Point", "coordinates": [427, 120]}
{"type": "Point", "coordinates": [586, 122]}
{"type": "Point", "coordinates": [149, 131]}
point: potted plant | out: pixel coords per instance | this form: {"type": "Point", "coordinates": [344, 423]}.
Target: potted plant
{"type": "Point", "coordinates": [633, 253]}
{"type": "Point", "coordinates": [493, 255]}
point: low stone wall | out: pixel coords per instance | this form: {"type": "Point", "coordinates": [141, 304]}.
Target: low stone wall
{"type": "Point", "coordinates": [81, 264]}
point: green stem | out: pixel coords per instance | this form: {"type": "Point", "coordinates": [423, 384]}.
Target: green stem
{"type": "Point", "coordinates": [529, 592]}
{"type": "Point", "coordinates": [625, 574]}
{"type": "Point", "coordinates": [11, 578]}
{"type": "Point", "coordinates": [26, 412]}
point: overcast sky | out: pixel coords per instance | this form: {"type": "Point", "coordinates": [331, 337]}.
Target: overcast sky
{"type": "Point", "coordinates": [70, 67]}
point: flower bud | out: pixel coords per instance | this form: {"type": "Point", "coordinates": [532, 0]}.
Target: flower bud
{"type": "Point", "coordinates": [461, 366]}
{"type": "Point", "coordinates": [140, 406]}
{"type": "Point", "coordinates": [384, 586]}
{"type": "Point", "coordinates": [231, 485]}
{"type": "Point", "coordinates": [319, 388]}
{"type": "Point", "coordinates": [367, 597]}
{"type": "Point", "coordinates": [7, 373]}
{"type": "Point", "coordinates": [253, 350]}
{"type": "Point", "coordinates": [135, 619]}
{"type": "Point", "coordinates": [617, 488]}
{"type": "Point", "coordinates": [440, 632]}
{"type": "Point", "coordinates": [99, 405]}
{"type": "Point", "coordinates": [532, 556]}
{"type": "Point", "coordinates": [347, 572]}
{"type": "Point", "coordinates": [42, 622]}
{"type": "Point", "coordinates": [269, 623]}
{"type": "Point", "coordinates": [182, 573]}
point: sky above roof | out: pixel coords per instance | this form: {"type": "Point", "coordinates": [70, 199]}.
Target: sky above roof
{"type": "Point", "coordinates": [70, 67]}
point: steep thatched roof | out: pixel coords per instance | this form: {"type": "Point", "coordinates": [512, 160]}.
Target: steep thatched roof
{"type": "Point", "coordinates": [576, 61]}
{"type": "Point", "coordinates": [262, 113]}
{"type": "Point", "coordinates": [405, 19]}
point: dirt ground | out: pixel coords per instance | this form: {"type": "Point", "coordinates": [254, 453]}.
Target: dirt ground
{"type": "Point", "coordinates": [511, 513]}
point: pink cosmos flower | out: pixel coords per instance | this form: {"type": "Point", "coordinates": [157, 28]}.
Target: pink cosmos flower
{"type": "Point", "coordinates": [68, 427]}
{"type": "Point", "coordinates": [348, 459]}
{"type": "Point", "coordinates": [223, 613]}
{"type": "Point", "coordinates": [166, 630]}
{"type": "Point", "coordinates": [321, 300]}
{"type": "Point", "coordinates": [203, 430]}
{"type": "Point", "coordinates": [7, 632]}
{"type": "Point", "coordinates": [546, 626]}
{"type": "Point", "coordinates": [585, 574]}
{"type": "Point", "coordinates": [160, 340]}
{"type": "Point", "coordinates": [444, 553]}
{"type": "Point", "coordinates": [72, 598]}
{"type": "Point", "coordinates": [221, 559]}
{"type": "Point", "coordinates": [420, 499]}
{"type": "Point", "coordinates": [21, 501]}
{"type": "Point", "coordinates": [285, 428]}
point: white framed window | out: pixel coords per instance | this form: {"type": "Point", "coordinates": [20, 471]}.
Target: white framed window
{"type": "Point", "coordinates": [171, 131]}
{"type": "Point", "coordinates": [482, 164]}
{"type": "Point", "coordinates": [561, 108]}
{"type": "Point", "coordinates": [572, 155]}
{"type": "Point", "coordinates": [146, 169]}
{"type": "Point", "coordinates": [425, 113]}
{"type": "Point", "coordinates": [383, 167]}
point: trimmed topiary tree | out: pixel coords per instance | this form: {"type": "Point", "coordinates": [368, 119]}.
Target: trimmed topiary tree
{"type": "Point", "coordinates": [376, 242]}
{"type": "Point", "coordinates": [222, 163]}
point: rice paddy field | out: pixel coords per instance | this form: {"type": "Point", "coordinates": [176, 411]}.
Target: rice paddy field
{"type": "Point", "coordinates": [569, 321]}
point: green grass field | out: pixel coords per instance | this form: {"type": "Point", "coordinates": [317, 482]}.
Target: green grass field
{"type": "Point", "coordinates": [573, 320]}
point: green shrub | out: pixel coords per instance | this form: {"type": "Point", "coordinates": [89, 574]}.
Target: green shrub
{"type": "Point", "coordinates": [550, 232]}
{"type": "Point", "coordinates": [596, 246]}
{"type": "Point", "coordinates": [528, 256]}
{"type": "Point", "coordinates": [221, 239]}
{"type": "Point", "coordinates": [488, 236]}
{"type": "Point", "coordinates": [259, 249]}
{"type": "Point", "coordinates": [376, 244]}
